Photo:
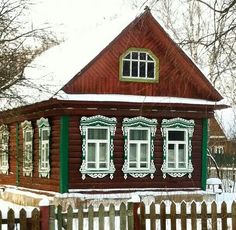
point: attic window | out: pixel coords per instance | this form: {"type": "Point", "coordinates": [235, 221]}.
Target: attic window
{"type": "Point", "coordinates": [139, 65]}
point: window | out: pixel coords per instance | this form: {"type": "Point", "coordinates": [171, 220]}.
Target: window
{"type": "Point", "coordinates": [4, 138]}
{"type": "Point", "coordinates": [219, 149]}
{"type": "Point", "coordinates": [177, 147]}
{"type": "Point", "coordinates": [27, 148]}
{"type": "Point", "coordinates": [44, 137]}
{"type": "Point", "coordinates": [97, 148]}
{"type": "Point", "coordinates": [139, 133]}
{"type": "Point", "coordinates": [139, 65]}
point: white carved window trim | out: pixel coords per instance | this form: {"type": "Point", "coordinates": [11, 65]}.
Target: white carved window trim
{"type": "Point", "coordinates": [177, 124]}
{"type": "Point", "coordinates": [4, 151]}
{"type": "Point", "coordinates": [27, 131]}
{"type": "Point", "coordinates": [139, 123]}
{"type": "Point", "coordinates": [44, 147]}
{"type": "Point", "coordinates": [97, 122]}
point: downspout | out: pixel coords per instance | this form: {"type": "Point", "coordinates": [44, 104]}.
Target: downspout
{"type": "Point", "coordinates": [64, 154]}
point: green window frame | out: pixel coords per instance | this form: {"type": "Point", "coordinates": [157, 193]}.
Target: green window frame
{"type": "Point", "coordinates": [44, 147]}
{"type": "Point", "coordinates": [4, 149]}
{"type": "Point", "coordinates": [177, 136]}
{"type": "Point", "coordinates": [139, 133]}
{"type": "Point", "coordinates": [27, 131]}
{"type": "Point", "coordinates": [97, 146]}
{"type": "Point", "coordinates": [139, 65]}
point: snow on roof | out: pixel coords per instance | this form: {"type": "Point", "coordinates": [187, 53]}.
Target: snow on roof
{"type": "Point", "coordinates": [134, 98]}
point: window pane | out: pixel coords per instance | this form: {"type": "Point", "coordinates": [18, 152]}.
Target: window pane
{"type": "Point", "coordinates": [150, 70]}
{"type": "Point", "coordinates": [134, 55]}
{"type": "Point", "coordinates": [149, 58]}
{"type": "Point", "coordinates": [142, 69]}
{"type": "Point", "coordinates": [98, 134]}
{"type": "Point", "coordinates": [171, 156]}
{"type": "Point", "coordinates": [132, 165]}
{"type": "Point", "coordinates": [45, 135]}
{"type": "Point", "coordinates": [127, 56]}
{"type": "Point", "coordinates": [27, 136]}
{"type": "Point", "coordinates": [144, 152]}
{"type": "Point", "coordinates": [126, 68]}
{"type": "Point", "coordinates": [143, 165]}
{"type": "Point", "coordinates": [103, 151]}
{"type": "Point", "coordinates": [176, 135]}
{"type": "Point", "coordinates": [103, 165]}
{"type": "Point", "coordinates": [182, 156]}
{"type": "Point", "coordinates": [132, 152]}
{"type": "Point", "coordinates": [91, 165]}
{"type": "Point", "coordinates": [134, 69]}
{"type": "Point", "coordinates": [91, 151]}
{"type": "Point", "coordinates": [136, 134]}
{"type": "Point", "coordinates": [142, 56]}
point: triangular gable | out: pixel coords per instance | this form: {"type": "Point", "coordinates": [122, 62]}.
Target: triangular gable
{"type": "Point", "coordinates": [178, 75]}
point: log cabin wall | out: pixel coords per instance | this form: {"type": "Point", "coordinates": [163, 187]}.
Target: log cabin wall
{"type": "Point", "coordinates": [75, 159]}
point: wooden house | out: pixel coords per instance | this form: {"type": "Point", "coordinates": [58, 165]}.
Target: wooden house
{"type": "Point", "coordinates": [134, 118]}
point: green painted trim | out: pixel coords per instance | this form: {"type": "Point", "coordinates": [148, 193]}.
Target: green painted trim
{"type": "Point", "coordinates": [64, 153]}
{"type": "Point", "coordinates": [139, 80]}
{"type": "Point", "coordinates": [17, 155]}
{"type": "Point", "coordinates": [204, 151]}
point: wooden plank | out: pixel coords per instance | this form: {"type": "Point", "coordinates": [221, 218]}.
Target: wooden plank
{"type": "Point", "coordinates": [112, 217]}
{"type": "Point", "coordinates": [183, 216]}
{"type": "Point", "coordinates": [163, 215]}
{"type": "Point", "coordinates": [90, 217]}
{"type": "Point", "coordinates": [142, 216]}
{"type": "Point", "coordinates": [101, 217]}
{"type": "Point", "coordinates": [52, 217]}
{"type": "Point", "coordinates": [10, 219]}
{"type": "Point", "coordinates": [130, 216]}
{"type": "Point", "coordinates": [224, 215]}
{"type": "Point", "coordinates": [214, 215]}
{"type": "Point", "coordinates": [193, 216]}
{"type": "Point", "coordinates": [173, 216]}
{"type": "Point", "coordinates": [23, 220]}
{"type": "Point", "coordinates": [80, 218]}
{"type": "Point", "coordinates": [35, 219]}
{"type": "Point", "coordinates": [122, 216]}
{"type": "Point", "coordinates": [59, 217]}
{"type": "Point", "coordinates": [153, 216]}
{"type": "Point", "coordinates": [69, 225]}
{"type": "Point", "coordinates": [233, 208]}
{"type": "Point", "coordinates": [204, 215]}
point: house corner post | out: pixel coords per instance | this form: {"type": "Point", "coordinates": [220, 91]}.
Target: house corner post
{"type": "Point", "coordinates": [44, 214]}
{"type": "Point", "coordinates": [64, 153]}
{"type": "Point", "coordinates": [204, 151]}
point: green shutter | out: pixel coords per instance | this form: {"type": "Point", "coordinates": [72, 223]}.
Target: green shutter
{"type": "Point", "coordinates": [204, 151]}
{"type": "Point", "coordinates": [64, 153]}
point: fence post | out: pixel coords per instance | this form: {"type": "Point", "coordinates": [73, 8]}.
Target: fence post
{"type": "Point", "coordinates": [44, 214]}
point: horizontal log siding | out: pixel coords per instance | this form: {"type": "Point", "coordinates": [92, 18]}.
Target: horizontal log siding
{"type": "Point", "coordinates": [75, 155]}
{"type": "Point", "coordinates": [34, 182]}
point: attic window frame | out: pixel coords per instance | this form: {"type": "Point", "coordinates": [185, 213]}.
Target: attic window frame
{"type": "Point", "coordinates": [149, 58]}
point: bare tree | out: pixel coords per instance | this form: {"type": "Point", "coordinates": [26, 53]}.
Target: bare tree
{"type": "Point", "coordinates": [20, 43]}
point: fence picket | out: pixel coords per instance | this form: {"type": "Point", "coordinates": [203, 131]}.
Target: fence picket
{"type": "Point", "coordinates": [233, 208]}
{"type": "Point", "coordinates": [0, 220]}
{"type": "Point", "coordinates": [10, 219]}
{"type": "Point", "coordinates": [193, 216]}
{"type": "Point", "coordinates": [224, 215]}
{"type": "Point", "coordinates": [130, 216]}
{"type": "Point", "coordinates": [90, 217]}
{"type": "Point", "coordinates": [35, 219]}
{"type": "Point", "coordinates": [23, 220]}
{"type": "Point", "coordinates": [80, 218]}
{"type": "Point", "coordinates": [142, 216]}
{"type": "Point", "coordinates": [153, 216]}
{"type": "Point", "coordinates": [214, 215]}
{"type": "Point", "coordinates": [163, 215]}
{"type": "Point", "coordinates": [183, 216]}
{"type": "Point", "coordinates": [112, 217]}
{"type": "Point", "coordinates": [59, 217]}
{"type": "Point", "coordinates": [173, 216]}
{"type": "Point", "coordinates": [101, 217]}
{"type": "Point", "coordinates": [69, 218]}
{"type": "Point", "coordinates": [204, 215]}
{"type": "Point", "coordinates": [122, 216]}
